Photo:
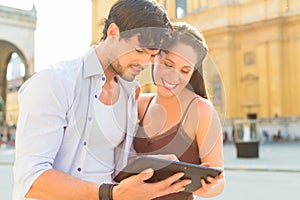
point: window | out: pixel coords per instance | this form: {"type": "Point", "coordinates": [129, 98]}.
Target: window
{"type": "Point", "coordinates": [15, 72]}
{"type": "Point", "coordinates": [217, 91]}
{"type": "Point", "coordinates": [15, 68]}
{"type": "Point", "coordinates": [181, 8]}
{"type": "Point", "coordinates": [249, 58]}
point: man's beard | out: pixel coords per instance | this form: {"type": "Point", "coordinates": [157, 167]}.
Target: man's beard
{"type": "Point", "coordinates": [120, 70]}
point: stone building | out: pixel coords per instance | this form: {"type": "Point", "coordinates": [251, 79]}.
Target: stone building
{"type": "Point", "coordinates": [16, 56]}
{"type": "Point", "coordinates": [254, 68]}
{"type": "Point", "coordinates": [254, 45]}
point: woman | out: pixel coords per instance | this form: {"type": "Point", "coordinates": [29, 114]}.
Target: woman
{"type": "Point", "coordinates": [179, 119]}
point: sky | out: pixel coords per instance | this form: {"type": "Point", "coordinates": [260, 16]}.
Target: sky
{"type": "Point", "coordinates": [63, 29]}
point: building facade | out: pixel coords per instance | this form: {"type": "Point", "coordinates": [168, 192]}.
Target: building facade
{"type": "Point", "coordinates": [254, 44]}
{"type": "Point", "coordinates": [16, 57]}
{"type": "Point", "coordinates": [253, 70]}
{"type": "Point", "coordinates": [254, 67]}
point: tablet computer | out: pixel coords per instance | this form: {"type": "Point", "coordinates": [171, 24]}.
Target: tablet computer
{"type": "Point", "coordinates": [166, 168]}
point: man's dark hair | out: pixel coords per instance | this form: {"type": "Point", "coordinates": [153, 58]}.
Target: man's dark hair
{"type": "Point", "coordinates": [132, 16]}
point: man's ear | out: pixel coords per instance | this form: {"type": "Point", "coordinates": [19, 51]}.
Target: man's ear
{"type": "Point", "coordinates": [113, 31]}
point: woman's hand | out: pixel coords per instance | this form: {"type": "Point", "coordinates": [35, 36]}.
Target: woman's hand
{"type": "Point", "coordinates": [215, 185]}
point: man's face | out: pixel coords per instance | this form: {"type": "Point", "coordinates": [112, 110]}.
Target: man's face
{"type": "Point", "coordinates": [130, 58]}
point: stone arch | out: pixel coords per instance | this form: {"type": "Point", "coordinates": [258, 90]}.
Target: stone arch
{"type": "Point", "coordinates": [7, 49]}
{"type": "Point", "coordinates": [16, 35]}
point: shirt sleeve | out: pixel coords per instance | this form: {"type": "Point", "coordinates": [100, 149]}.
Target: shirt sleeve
{"type": "Point", "coordinates": [43, 104]}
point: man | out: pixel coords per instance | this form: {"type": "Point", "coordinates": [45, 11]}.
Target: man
{"type": "Point", "coordinates": [77, 119]}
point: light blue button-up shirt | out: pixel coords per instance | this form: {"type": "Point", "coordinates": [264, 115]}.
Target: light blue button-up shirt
{"type": "Point", "coordinates": [56, 116]}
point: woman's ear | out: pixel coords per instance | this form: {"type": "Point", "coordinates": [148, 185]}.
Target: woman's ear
{"type": "Point", "coordinates": [113, 31]}
{"type": "Point", "coordinates": [152, 59]}
{"type": "Point", "coordinates": [137, 92]}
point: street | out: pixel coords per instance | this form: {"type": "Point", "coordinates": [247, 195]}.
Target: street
{"type": "Point", "coordinates": [260, 185]}
{"type": "Point", "coordinates": [240, 185]}
{"type": "Point", "coordinates": [275, 175]}
{"type": "Point", "coordinates": [6, 182]}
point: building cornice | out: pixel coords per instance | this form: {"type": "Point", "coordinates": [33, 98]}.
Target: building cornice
{"type": "Point", "coordinates": [18, 17]}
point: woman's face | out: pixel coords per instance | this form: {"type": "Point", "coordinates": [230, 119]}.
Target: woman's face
{"type": "Point", "coordinates": [173, 70]}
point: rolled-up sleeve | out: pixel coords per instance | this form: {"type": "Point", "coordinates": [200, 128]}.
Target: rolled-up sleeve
{"type": "Point", "coordinates": [43, 102]}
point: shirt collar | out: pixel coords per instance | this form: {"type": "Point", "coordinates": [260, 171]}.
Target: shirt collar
{"type": "Point", "coordinates": [92, 65]}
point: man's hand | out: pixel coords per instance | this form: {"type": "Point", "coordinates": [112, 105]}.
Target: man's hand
{"type": "Point", "coordinates": [135, 188]}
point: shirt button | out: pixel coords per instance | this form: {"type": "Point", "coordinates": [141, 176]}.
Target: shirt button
{"type": "Point", "coordinates": [84, 143]}
{"type": "Point", "coordinates": [79, 169]}
{"type": "Point", "coordinates": [96, 97]}
{"type": "Point", "coordinates": [103, 78]}
{"type": "Point", "coordinates": [90, 118]}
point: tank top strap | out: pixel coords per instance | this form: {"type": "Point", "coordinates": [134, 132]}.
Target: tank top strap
{"type": "Point", "coordinates": [186, 111]}
{"type": "Point", "coordinates": [142, 119]}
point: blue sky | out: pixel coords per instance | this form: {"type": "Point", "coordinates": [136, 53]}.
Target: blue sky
{"type": "Point", "coordinates": [63, 28]}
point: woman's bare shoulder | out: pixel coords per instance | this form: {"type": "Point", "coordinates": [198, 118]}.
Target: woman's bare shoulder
{"type": "Point", "coordinates": [204, 104]}
{"type": "Point", "coordinates": [145, 97]}
{"type": "Point", "coordinates": [143, 101]}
